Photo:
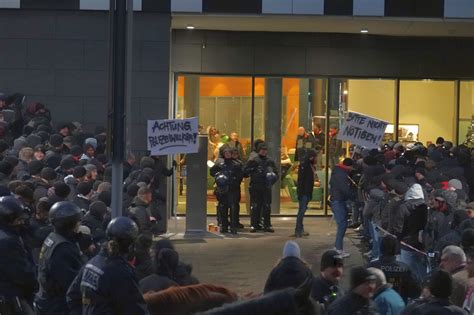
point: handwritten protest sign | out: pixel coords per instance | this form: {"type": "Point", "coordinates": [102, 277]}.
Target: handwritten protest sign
{"type": "Point", "coordinates": [171, 136]}
{"type": "Point", "coordinates": [362, 130]}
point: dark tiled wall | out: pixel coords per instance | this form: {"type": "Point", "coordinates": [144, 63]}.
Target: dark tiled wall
{"type": "Point", "coordinates": [60, 58]}
{"type": "Point", "coordinates": [231, 6]}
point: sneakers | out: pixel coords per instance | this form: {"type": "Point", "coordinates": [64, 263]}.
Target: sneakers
{"type": "Point", "coordinates": [269, 229]}
{"type": "Point", "coordinates": [343, 253]}
{"type": "Point", "coordinates": [254, 229]}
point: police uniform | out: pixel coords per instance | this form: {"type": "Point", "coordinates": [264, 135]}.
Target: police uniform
{"type": "Point", "coordinates": [59, 263]}
{"type": "Point", "coordinates": [259, 168]}
{"type": "Point", "coordinates": [228, 174]}
{"type": "Point", "coordinates": [106, 285]}
{"type": "Point", "coordinates": [17, 273]}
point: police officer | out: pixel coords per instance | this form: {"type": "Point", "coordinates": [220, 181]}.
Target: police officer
{"type": "Point", "coordinates": [108, 284]}
{"type": "Point", "coordinates": [228, 174]}
{"type": "Point", "coordinates": [263, 174]}
{"type": "Point", "coordinates": [60, 259]}
{"type": "Point", "coordinates": [17, 269]}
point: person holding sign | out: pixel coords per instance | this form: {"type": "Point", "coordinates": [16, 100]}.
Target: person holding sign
{"type": "Point", "coordinates": [263, 174]}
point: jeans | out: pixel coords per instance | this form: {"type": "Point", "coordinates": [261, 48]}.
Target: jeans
{"type": "Point", "coordinates": [374, 234]}
{"type": "Point", "coordinates": [303, 205]}
{"type": "Point", "coordinates": [339, 209]}
{"type": "Point", "coordinates": [416, 262]}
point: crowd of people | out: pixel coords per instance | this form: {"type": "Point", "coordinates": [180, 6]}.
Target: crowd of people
{"type": "Point", "coordinates": [62, 253]}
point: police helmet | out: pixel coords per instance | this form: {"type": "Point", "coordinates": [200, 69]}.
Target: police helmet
{"type": "Point", "coordinates": [270, 177]}
{"type": "Point", "coordinates": [221, 180]}
{"type": "Point", "coordinates": [123, 230]}
{"type": "Point", "coordinates": [64, 216]}
{"type": "Point", "coordinates": [10, 210]}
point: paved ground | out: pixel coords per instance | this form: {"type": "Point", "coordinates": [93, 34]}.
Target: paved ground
{"type": "Point", "coordinates": [243, 262]}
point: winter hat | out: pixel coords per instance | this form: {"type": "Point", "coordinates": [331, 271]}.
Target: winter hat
{"type": "Point", "coordinates": [132, 190]}
{"type": "Point", "coordinates": [467, 239]}
{"type": "Point", "coordinates": [39, 148]}
{"type": "Point", "coordinates": [90, 167]}
{"type": "Point", "coordinates": [360, 275]}
{"type": "Point", "coordinates": [19, 144]}
{"type": "Point", "coordinates": [33, 140]}
{"type": "Point", "coordinates": [91, 141]}
{"type": "Point", "coordinates": [451, 198]}
{"type": "Point", "coordinates": [35, 167]}
{"type": "Point", "coordinates": [76, 150]}
{"type": "Point", "coordinates": [147, 162]}
{"type": "Point", "coordinates": [52, 159]}
{"type": "Point", "coordinates": [6, 168]}
{"type": "Point", "coordinates": [61, 189]}
{"type": "Point", "coordinates": [455, 184]}
{"type": "Point", "coordinates": [48, 173]}
{"type": "Point", "coordinates": [291, 249]}
{"type": "Point", "coordinates": [415, 192]}
{"type": "Point", "coordinates": [348, 162]}
{"type": "Point", "coordinates": [12, 160]}
{"type": "Point", "coordinates": [105, 197]}
{"type": "Point", "coordinates": [79, 172]}
{"type": "Point", "coordinates": [44, 136]}
{"type": "Point", "coordinates": [331, 258]}
{"type": "Point", "coordinates": [67, 163]}
{"type": "Point", "coordinates": [4, 191]}
{"type": "Point", "coordinates": [98, 209]}
{"type": "Point", "coordinates": [440, 284]}
{"type": "Point", "coordinates": [84, 188]}
{"type": "Point", "coordinates": [56, 140]}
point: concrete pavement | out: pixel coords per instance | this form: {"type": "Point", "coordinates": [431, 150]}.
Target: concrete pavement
{"type": "Point", "coordinates": [243, 262]}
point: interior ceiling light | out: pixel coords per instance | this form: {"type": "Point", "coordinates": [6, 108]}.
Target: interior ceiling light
{"type": "Point", "coordinates": [364, 31]}
{"type": "Point", "coordinates": [190, 27]}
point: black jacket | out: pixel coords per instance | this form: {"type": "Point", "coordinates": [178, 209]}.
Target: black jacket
{"type": "Point", "coordinates": [18, 271]}
{"type": "Point", "coordinates": [434, 306]}
{"type": "Point", "coordinates": [156, 283]}
{"type": "Point", "coordinates": [290, 272]}
{"type": "Point", "coordinates": [305, 179]}
{"type": "Point", "coordinates": [257, 168]}
{"type": "Point", "coordinates": [341, 188]}
{"type": "Point", "coordinates": [352, 304]}
{"type": "Point", "coordinates": [325, 292]}
{"type": "Point", "coordinates": [140, 213]}
{"type": "Point", "coordinates": [398, 274]}
{"type": "Point", "coordinates": [109, 287]}
{"type": "Point", "coordinates": [95, 224]}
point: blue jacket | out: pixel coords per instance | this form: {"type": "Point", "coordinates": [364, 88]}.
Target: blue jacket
{"type": "Point", "coordinates": [388, 301]}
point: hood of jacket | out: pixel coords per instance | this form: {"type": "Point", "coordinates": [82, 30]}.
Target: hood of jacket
{"type": "Point", "coordinates": [414, 192]}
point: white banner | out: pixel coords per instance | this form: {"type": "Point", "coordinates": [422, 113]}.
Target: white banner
{"type": "Point", "coordinates": [172, 136]}
{"type": "Point", "coordinates": [362, 130]}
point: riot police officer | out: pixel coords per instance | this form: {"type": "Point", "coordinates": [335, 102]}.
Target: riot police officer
{"type": "Point", "coordinates": [60, 259]}
{"type": "Point", "coordinates": [263, 174]}
{"type": "Point", "coordinates": [228, 174]}
{"type": "Point", "coordinates": [17, 269]}
{"type": "Point", "coordinates": [108, 284]}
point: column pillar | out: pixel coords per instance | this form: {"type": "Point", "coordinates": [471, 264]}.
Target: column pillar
{"type": "Point", "coordinates": [273, 110]}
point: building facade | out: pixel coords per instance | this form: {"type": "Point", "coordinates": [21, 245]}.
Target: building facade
{"type": "Point", "coordinates": [258, 68]}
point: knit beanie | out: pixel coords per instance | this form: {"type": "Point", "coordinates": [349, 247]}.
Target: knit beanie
{"type": "Point", "coordinates": [360, 275]}
{"type": "Point", "coordinates": [440, 284]}
{"type": "Point", "coordinates": [35, 167]}
{"type": "Point", "coordinates": [291, 249]}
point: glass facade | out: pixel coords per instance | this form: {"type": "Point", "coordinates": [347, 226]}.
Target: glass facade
{"type": "Point", "coordinates": [278, 109]}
